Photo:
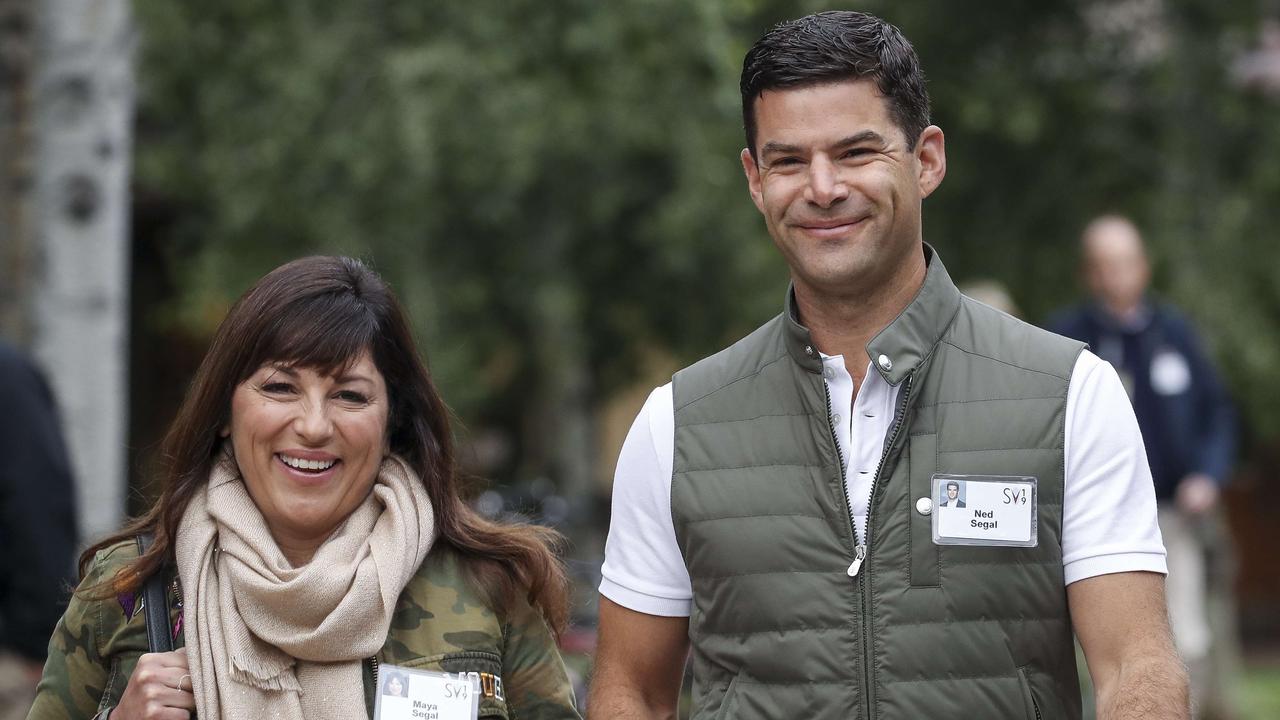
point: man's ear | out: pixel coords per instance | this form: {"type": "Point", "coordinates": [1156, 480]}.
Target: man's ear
{"type": "Point", "coordinates": [931, 151]}
{"type": "Point", "coordinates": [752, 171]}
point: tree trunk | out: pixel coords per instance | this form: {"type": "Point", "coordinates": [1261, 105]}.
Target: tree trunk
{"type": "Point", "coordinates": [84, 115]}
{"type": "Point", "coordinates": [16, 49]}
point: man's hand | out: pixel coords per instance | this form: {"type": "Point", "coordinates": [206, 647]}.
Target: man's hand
{"type": "Point", "coordinates": [639, 665]}
{"type": "Point", "coordinates": [1196, 494]}
{"type": "Point", "coordinates": [1123, 626]}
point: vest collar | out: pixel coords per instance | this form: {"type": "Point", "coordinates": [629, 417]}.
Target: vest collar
{"type": "Point", "coordinates": [906, 341]}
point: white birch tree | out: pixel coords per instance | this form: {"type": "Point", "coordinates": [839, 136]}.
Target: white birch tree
{"type": "Point", "coordinates": [84, 101]}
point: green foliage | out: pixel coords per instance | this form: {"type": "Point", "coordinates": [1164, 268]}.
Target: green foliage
{"type": "Point", "coordinates": [499, 162]}
{"type": "Point", "coordinates": [552, 183]}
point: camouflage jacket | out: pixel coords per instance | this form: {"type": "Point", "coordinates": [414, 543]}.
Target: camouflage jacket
{"type": "Point", "coordinates": [440, 624]}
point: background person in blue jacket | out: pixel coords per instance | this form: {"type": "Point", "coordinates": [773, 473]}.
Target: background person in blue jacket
{"type": "Point", "coordinates": [1183, 411]}
{"type": "Point", "coordinates": [37, 527]}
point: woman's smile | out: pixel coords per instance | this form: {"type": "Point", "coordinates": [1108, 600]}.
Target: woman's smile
{"type": "Point", "coordinates": [309, 446]}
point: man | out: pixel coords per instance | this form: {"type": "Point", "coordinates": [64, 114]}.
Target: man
{"type": "Point", "coordinates": [37, 528]}
{"type": "Point", "coordinates": [952, 498]}
{"type": "Point", "coordinates": [773, 506]}
{"type": "Point", "coordinates": [1183, 411]}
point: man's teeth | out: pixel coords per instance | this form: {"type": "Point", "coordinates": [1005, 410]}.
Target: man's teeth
{"type": "Point", "coordinates": [301, 464]}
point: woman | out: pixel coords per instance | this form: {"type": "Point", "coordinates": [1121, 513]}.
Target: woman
{"type": "Point", "coordinates": [311, 533]}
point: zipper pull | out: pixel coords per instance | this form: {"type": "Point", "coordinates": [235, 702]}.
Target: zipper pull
{"type": "Point", "coordinates": [859, 554]}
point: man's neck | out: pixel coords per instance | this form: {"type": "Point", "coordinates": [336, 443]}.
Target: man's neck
{"type": "Point", "coordinates": [1130, 316]}
{"type": "Point", "coordinates": [843, 324]}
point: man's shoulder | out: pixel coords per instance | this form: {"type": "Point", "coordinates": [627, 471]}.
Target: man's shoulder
{"type": "Point", "coordinates": [1172, 320]}
{"type": "Point", "coordinates": [984, 331]}
{"type": "Point", "coordinates": [744, 358]}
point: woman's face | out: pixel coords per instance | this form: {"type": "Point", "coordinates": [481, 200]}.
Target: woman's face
{"type": "Point", "coordinates": [394, 686]}
{"type": "Point", "coordinates": [309, 447]}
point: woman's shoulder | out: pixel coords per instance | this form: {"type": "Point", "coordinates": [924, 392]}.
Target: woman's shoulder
{"type": "Point", "coordinates": [114, 557]}
{"type": "Point", "coordinates": [441, 606]}
{"type": "Point", "coordinates": [442, 610]}
{"type": "Point", "coordinates": [445, 623]}
{"type": "Point", "coordinates": [98, 632]}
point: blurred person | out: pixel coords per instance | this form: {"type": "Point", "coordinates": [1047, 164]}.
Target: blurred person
{"type": "Point", "coordinates": [993, 293]}
{"type": "Point", "coordinates": [37, 527]}
{"type": "Point", "coordinates": [1186, 418]}
{"type": "Point", "coordinates": [774, 506]}
{"type": "Point", "coordinates": [311, 534]}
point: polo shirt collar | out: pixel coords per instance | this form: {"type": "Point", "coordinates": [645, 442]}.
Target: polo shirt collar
{"type": "Point", "coordinates": [897, 350]}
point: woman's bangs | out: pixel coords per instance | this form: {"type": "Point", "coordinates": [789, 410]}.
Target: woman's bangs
{"type": "Point", "coordinates": [327, 334]}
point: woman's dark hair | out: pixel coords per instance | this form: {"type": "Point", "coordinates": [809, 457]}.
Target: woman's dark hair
{"type": "Point", "coordinates": [836, 46]}
{"type": "Point", "coordinates": [324, 313]}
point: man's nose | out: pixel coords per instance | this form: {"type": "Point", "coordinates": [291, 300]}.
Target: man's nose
{"type": "Point", "coordinates": [826, 186]}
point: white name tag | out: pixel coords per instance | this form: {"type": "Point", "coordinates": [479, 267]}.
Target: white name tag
{"type": "Point", "coordinates": [406, 694]}
{"type": "Point", "coordinates": [984, 510]}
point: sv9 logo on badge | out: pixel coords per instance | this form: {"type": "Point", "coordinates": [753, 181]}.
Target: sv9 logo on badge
{"type": "Point", "coordinates": [1015, 496]}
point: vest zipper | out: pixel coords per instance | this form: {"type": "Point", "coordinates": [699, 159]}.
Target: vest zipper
{"type": "Point", "coordinates": [869, 657]}
{"type": "Point", "coordinates": [373, 664]}
{"type": "Point", "coordinates": [859, 550]}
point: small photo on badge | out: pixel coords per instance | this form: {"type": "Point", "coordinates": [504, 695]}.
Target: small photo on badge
{"type": "Point", "coordinates": [951, 494]}
{"type": "Point", "coordinates": [395, 684]}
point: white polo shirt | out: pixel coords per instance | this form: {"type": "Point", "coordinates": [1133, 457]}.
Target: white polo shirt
{"type": "Point", "coordinates": [1108, 512]}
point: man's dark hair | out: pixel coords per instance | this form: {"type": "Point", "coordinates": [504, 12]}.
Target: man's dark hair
{"type": "Point", "coordinates": [836, 46]}
{"type": "Point", "coordinates": [953, 484]}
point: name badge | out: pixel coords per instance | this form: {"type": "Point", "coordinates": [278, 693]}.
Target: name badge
{"type": "Point", "coordinates": [984, 510]}
{"type": "Point", "coordinates": [407, 694]}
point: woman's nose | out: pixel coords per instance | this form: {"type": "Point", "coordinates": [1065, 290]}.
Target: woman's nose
{"type": "Point", "coordinates": [313, 423]}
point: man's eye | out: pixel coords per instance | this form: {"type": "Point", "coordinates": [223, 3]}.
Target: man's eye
{"type": "Point", "coordinates": [786, 161]}
{"type": "Point", "coordinates": [856, 152]}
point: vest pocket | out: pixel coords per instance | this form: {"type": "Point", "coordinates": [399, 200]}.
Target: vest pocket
{"type": "Point", "coordinates": [728, 705]}
{"type": "Point", "coordinates": [1028, 697]}
{"type": "Point", "coordinates": [926, 557]}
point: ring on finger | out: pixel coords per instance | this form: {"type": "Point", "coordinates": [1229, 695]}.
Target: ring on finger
{"type": "Point", "coordinates": [178, 686]}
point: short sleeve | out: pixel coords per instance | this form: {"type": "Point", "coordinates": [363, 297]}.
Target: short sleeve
{"type": "Point", "coordinates": [643, 568]}
{"type": "Point", "coordinates": [1109, 509]}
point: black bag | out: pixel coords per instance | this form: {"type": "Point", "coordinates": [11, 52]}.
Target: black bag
{"type": "Point", "coordinates": [155, 605]}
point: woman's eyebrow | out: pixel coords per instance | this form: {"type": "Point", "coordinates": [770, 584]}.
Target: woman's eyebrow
{"type": "Point", "coordinates": [348, 377]}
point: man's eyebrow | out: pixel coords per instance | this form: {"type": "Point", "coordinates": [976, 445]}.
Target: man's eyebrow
{"type": "Point", "coordinates": [777, 148]}
{"type": "Point", "coordinates": [865, 136]}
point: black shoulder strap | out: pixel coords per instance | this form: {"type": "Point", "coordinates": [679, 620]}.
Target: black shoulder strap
{"type": "Point", "coordinates": [155, 605]}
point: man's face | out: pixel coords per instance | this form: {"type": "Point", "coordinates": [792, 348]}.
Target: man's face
{"type": "Point", "coordinates": [952, 492]}
{"type": "Point", "coordinates": [1116, 267]}
{"type": "Point", "coordinates": [839, 189]}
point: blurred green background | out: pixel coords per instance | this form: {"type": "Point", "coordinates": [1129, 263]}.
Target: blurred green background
{"type": "Point", "coordinates": [553, 188]}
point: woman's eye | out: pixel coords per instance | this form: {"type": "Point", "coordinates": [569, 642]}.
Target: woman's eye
{"type": "Point", "coordinates": [277, 388]}
{"type": "Point", "coordinates": [352, 396]}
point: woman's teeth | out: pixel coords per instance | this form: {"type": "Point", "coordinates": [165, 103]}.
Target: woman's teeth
{"type": "Point", "coordinates": [300, 464]}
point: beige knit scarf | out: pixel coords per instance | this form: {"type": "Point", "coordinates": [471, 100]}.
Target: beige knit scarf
{"type": "Point", "coordinates": [266, 639]}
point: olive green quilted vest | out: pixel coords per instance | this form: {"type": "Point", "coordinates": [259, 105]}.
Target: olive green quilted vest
{"type": "Point", "coordinates": [778, 626]}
